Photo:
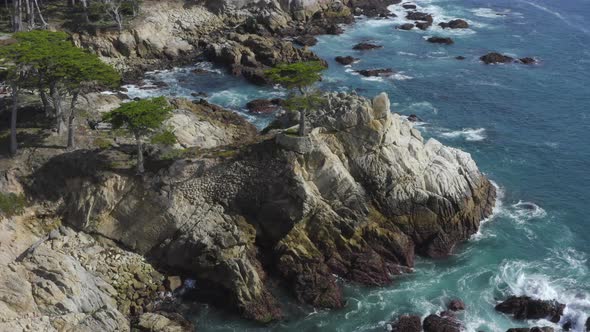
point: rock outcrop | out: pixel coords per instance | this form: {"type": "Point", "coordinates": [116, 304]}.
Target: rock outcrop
{"type": "Point", "coordinates": [67, 281]}
{"type": "Point", "coordinates": [357, 198]}
{"type": "Point", "coordinates": [494, 57]}
{"type": "Point", "coordinates": [406, 323]}
{"type": "Point", "coordinates": [442, 323]}
{"type": "Point", "coordinates": [524, 307]}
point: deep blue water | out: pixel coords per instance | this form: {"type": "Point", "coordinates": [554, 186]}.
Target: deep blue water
{"type": "Point", "coordinates": [526, 127]}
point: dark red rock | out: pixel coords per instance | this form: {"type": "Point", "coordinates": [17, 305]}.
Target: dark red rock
{"type": "Point", "coordinates": [346, 60]}
{"type": "Point", "coordinates": [406, 26]}
{"type": "Point", "coordinates": [454, 24]}
{"type": "Point", "coordinates": [375, 72]}
{"type": "Point", "coordinates": [407, 323]}
{"type": "Point", "coordinates": [524, 307]}
{"type": "Point", "coordinates": [440, 40]}
{"type": "Point", "coordinates": [365, 46]}
{"type": "Point", "coordinates": [435, 323]}
{"type": "Point", "coordinates": [495, 57]}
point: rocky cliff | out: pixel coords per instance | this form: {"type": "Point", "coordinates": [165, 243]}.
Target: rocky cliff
{"type": "Point", "coordinates": [357, 198]}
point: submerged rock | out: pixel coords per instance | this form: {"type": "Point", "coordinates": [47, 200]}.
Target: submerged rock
{"type": "Point", "coordinates": [376, 72]}
{"type": "Point", "coordinates": [528, 60]}
{"type": "Point", "coordinates": [356, 198]}
{"type": "Point", "coordinates": [495, 57]}
{"type": "Point", "coordinates": [460, 57]}
{"type": "Point", "coordinates": [407, 323]}
{"type": "Point", "coordinates": [524, 307]}
{"type": "Point", "coordinates": [409, 6]}
{"type": "Point", "coordinates": [366, 46]}
{"type": "Point", "coordinates": [440, 40]}
{"type": "Point", "coordinates": [456, 305]}
{"type": "Point", "coordinates": [406, 26]}
{"type": "Point", "coordinates": [454, 24]}
{"type": "Point", "coordinates": [346, 60]}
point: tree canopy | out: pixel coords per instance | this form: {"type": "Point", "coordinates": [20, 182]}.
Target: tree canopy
{"type": "Point", "coordinates": [299, 77]}
{"type": "Point", "coordinates": [296, 75]}
{"type": "Point", "coordinates": [140, 116]}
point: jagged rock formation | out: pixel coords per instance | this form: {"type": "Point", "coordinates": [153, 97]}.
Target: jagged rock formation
{"type": "Point", "coordinates": [358, 198]}
{"type": "Point", "coordinates": [67, 281]}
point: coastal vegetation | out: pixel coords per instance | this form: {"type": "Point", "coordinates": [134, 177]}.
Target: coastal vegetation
{"type": "Point", "coordinates": [60, 73]}
{"type": "Point", "coordinates": [142, 118]}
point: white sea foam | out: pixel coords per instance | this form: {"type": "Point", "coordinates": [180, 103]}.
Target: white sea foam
{"type": "Point", "coordinates": [468, 134]}
{"type": "Point", "coordinates": [523, 212]}
{"type": "Point", "coordinates": [554, 278]}
{"type": "Point", "coordinates": [496, 211]}
{"type": "Point", "coordinates": [489, 13]}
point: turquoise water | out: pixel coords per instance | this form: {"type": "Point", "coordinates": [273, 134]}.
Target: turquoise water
{"type": "Point", "coordinates": [527, 128]}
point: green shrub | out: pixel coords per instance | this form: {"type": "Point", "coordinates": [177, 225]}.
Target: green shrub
{"type": "Point", "coordinates": [164, 138]}
{"type": "Point", "coordinates": [102, 143]}
{"type": "Point", "coordinates": [12, 204]}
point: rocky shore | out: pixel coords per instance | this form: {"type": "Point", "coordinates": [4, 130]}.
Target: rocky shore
{"type": "Point", "coordinates": [244, 36]}
{"type": "Point", "coordinates": [357, 198]}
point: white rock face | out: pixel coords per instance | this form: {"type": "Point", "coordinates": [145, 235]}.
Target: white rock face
{"type": "Point", "coordinates": [190, 131]}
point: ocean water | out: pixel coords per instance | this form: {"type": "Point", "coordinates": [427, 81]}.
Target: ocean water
{"type": "Point", "coordinates": [527, 127]}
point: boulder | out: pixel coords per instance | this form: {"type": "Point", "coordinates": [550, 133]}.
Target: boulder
{"type": "Point", "coordinates": [346, 60]}
{"type": "Point", "coordinates": [306, 40]}
{"type": "Point", "coordinates": [494, 57]}
{"type": "Point", "coordinates": [366, 46]}
{"type": "Point", "coordinates": [163, 322]}
{"type": "Point", "coordinates": [532, 329]}
{"type": "Point", "coordinates": [454, 24]}
{"type": "Point", "coordinates": [406, 26]}
{"type": "Point", "coordinates": [528, 61]}
{"type": "Point", "coordinates": [440, 40]}
{"type": "Point", "coordinates": [409, 6]}
{"type": "Point", "coordinates": [407, 323]}
{"type": "Point", "coordinates": [414, 118]}
{"type": "Point", "coordinates": [524, 307]}
{"type": "Point", "coordinates": [173, 283]}
{"type": "Point", "coordinates": [419, 16]}
{"type": "Point", "coordinates": [456, 305]}
{"type": "Point", "coordinates": [423, 25]}
{"type": "Point", "coordinates": [263, 106]}
{"type": "Point", "coordinates": [435, 323]}
{"type": "Point", "coordinates": [376, 72]}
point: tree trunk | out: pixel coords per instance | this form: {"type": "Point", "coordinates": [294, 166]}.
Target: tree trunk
{"type": "Point", "coordinates": [46, 107]}
{"type": "Point", "coordinates": [13, 142]}
{"type": "Point", "coordinates": [302, 123]}
{"type": "Point", "coordinates": [71, 123]}
{"type": "Point", "coordinates": [57, 106]}
{"type": "Point", "coordinates": [140, 168]}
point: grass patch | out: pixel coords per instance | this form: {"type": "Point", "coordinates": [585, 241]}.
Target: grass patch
{"type": "Point", "coordinates": [12, 204]}
{"type": "Point", "coordinates": [102, 143]}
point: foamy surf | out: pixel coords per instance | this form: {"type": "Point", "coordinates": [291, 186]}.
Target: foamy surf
{"type": "Point", "coordinates": [469, 134]}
